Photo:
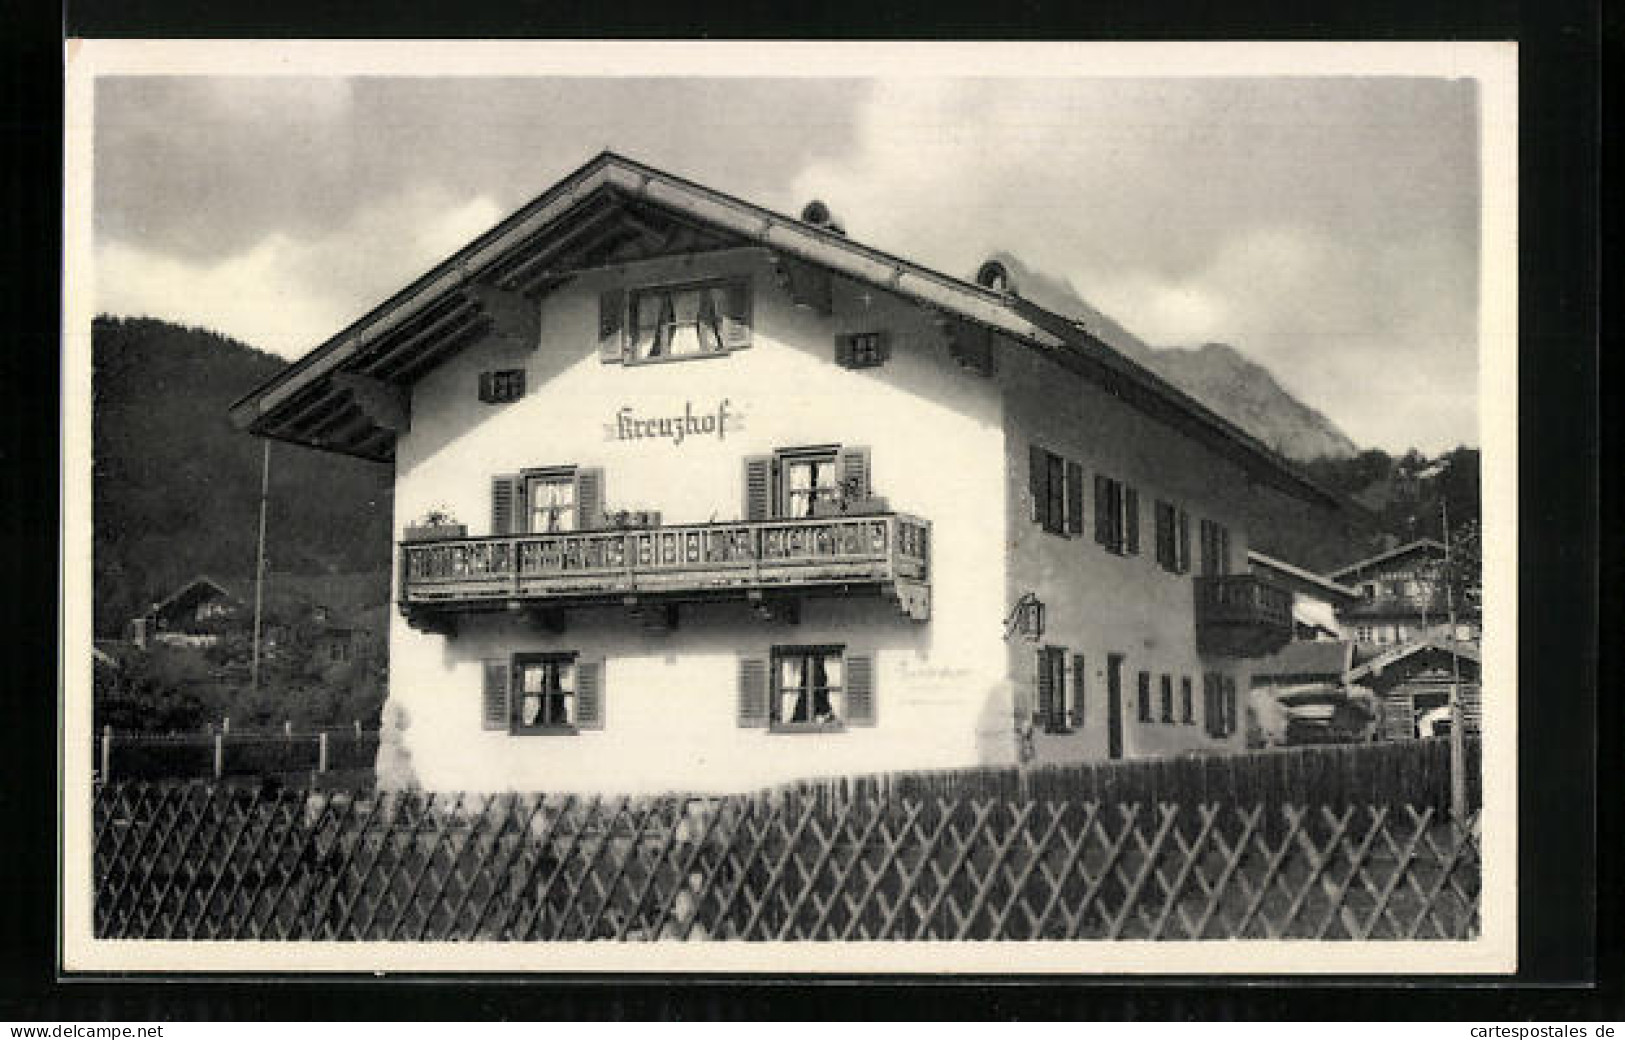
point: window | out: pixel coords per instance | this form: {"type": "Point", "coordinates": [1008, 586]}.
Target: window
{"type": "Point", "coordinates": [1187, 709]}
{"type": "Point", "coordinates": [550, 503]}
{"type": "Point", "coordinates": [1362, 633]}
{"type": "Point", "coordinates": [1215, 548]}
{"type": "Point", "coordinates": [1219, 704]}
{"type": "Point", "coordinates": [1173, 538]}
{"type": "Point", "coordinates": [1057, 707]}
{"type": "Point", "coordinates": [502, 386]}
{"type": "Point", "coordinates": [1117, 516]}
{"type": "Point", "coordinates": [807, 686]}
{"type": "Point", "coordinates": [1368, 591]}
{"type": "Point", "coordinates": [544, 692]}
{"type": "Point", "coordinates": [1056, 487]}
{"type": "Point", "coordinates": [861, 349]}
{"type": "Point", "coordinates": [807, 478]}
{"type": "Point", "coordinates": [1145, 697]}
{"type": "Point", "coordinates": [683, 321]}
{"type": "Point", "coordinates": [1167, 698]}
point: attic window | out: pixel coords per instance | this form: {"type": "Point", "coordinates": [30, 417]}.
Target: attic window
{"type": "Point", "coordinates": [861, 349]}
{"type": "Point", "coordinates": [502, 386]}
{"type": "Point", "coordinates": [676, 322]}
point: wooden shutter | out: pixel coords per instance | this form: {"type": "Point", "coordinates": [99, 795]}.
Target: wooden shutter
{"type": "Point", "coordinates": [758, 487]}
{"type": "Point", "coordinates": [1164, 520]}
{"type": "Point", "coordinates": [1167, 699]}
{"type": "Point", "coordinates": [612, 326]}
{"type": "Point", "coordinates": [590, 694]}
{"type": "Point", "coordinates": [1143, 694]}
{"type": "Point", "coordinates": [505, 504]}
{"type": "Point", "coordinates": [853, 466]}
{"type": "Point", "coordinates": [736, 321]}
{"type": "Point", "coordinates": [1183, 560]}
{"type": "Point", "coordinates": [843, 350]}
{"type": "Point", "coordinates": [1131, 521]}
{"type": "Point", "coordinates": [1038, 482]}
{"type": "Point", "coordinates": [1074, 498]}
{"type": "Point", "coordinates": [589, 498]}
{"type": "Point", "coordinates": [494, 699]}
{"type": "Point", "coordinates": [1102, 512]}
{"type": "Point", "coordinates": [752, 692]}
{"type": "Point", "coordinates": [1045, 711]}
{"type": "Point", "coordinates": [1080, 673]}
{"type": "Point", "coordinates": [860, 689]}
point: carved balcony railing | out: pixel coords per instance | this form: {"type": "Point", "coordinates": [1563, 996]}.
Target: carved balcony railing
{"type": "Point", "coordinates": [1240, 615]}
{"type": "Point", "coordinates": [887, 553]}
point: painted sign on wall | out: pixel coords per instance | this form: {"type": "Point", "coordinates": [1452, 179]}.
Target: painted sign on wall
{"type": "Point", "coordinates": [638, 424]}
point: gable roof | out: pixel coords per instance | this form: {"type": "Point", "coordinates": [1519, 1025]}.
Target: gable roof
{"type": "Point", "coordinates": [613, 204]}
{"type": "Point", "coordinates": [1333, 588]}
{"type": "Point", "coordinates": [197, 587]}
{"type": "Point", "coordinates": [1466, 651]}
{"type": "Point", "coordinates": [1408, 549]}
{"type": "Point", "coordinates": [1324, 657]}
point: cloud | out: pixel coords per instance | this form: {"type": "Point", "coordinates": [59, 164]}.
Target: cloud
{"type": "Point", "coordinates": [288, 293]}
{"type": "Point", "coordinates": [1326, 228]}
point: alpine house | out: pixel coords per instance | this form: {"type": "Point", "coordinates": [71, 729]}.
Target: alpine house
{"type": "Point", "coordinates": [694, 495]}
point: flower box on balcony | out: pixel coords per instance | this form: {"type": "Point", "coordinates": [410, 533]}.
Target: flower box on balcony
{"type": "Point", "coordinates": [435, 532]}
{"type": "Point", "coordinates": [831, 508]}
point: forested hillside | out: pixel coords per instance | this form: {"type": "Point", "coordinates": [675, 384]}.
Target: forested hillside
{"type": "Point", "coordinates": [177, 487]}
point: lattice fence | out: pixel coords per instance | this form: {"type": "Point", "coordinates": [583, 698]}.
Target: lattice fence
{"type": "Point", "coordinates": [195, 862]}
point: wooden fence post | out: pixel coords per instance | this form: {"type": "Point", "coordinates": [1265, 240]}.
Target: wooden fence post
{"type": "Point", "coordinates": [321, 752]}
{"type": "Point", "coordinates": [219, 755]}
{"type": "Point", "coordinates": [107, 753]}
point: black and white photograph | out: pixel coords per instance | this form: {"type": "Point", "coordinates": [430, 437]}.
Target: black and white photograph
{"type": "Point", "coordinates": [790, 507]}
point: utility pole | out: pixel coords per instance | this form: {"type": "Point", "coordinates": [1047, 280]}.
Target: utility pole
{"type": "Point", "coordinates": [1458, 717]}
{"type": "Point", "coordinates": [259, 568]}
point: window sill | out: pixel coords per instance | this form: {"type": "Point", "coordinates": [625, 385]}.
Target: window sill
{"type": "Point", "coordinates": [544, 731]}
{"type": "Point", "coordinates": [799, 728]}
{"type": "Point", "coordinates": [631, 362]}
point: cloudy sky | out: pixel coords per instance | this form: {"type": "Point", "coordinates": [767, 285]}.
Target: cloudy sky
{"type": "Point", "coordinates": [1327, 227]}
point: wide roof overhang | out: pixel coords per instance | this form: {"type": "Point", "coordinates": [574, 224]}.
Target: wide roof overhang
{"type": "Point", "coordinates": [349, 394]}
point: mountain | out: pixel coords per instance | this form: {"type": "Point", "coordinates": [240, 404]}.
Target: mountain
{"type": "Point", "coordinates": [176, 487]}
{"type": "Point", "coordinates": [1217, 375]}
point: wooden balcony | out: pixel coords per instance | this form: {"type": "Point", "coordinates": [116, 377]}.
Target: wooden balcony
{"type": "Point", "coordinates": [1240, 615]}
{"type": "Point", "coordinates": [768, 562]}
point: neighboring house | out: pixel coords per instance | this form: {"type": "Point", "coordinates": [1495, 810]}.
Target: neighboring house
{"type": "Point", "coordinates": [1414, 682]}
{"type": "Point", "coordinates": [1402, 596]}
{"type": "Point", "coordinates": [741, 500]}
{"type": "Point", "coordinates": [194, 615]}
{"type": "Point", "coordinates": [343, 639]}
{"type": "Point", "coordinates": [1316, 600]}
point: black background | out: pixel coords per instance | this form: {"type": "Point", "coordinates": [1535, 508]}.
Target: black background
{"type": "Point", "coordinates": [1563, 897]}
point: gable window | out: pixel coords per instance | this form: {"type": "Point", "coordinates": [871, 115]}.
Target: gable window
{"type": "Point", "coordinates": [807, 686]}
{"type": "Point", "coordinates": [702, 319]}
{"type": "Point", "coordinates": [1056, 487]}
{"type": "Point", "coordinates": [1059, 703]}
{"type": "Point", "coordinates": [1117, 516]}
{"type": "Point", "coordinates": [1215, 548]}
{"type": "Point", "coordinates": [1173, 538]}
{"type": "Point", "coordinates": [544, 692]}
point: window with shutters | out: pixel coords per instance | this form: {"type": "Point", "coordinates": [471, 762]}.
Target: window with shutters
{"type": "Point", "coordinates": [1187, 706]}
{"type": "Point", "coordinates": [1056, 487]}
{"type": "Point", "coordinates": [1117, 516]}
{"type": "Point", "coordinates": [1167, 700]}
{"type": "Point", "coordinates": [808, 689]}
{"type": "Point", "coordinates": [1173, 526]}
{"type": "Point", "coordinates": [550, 502]}
{"type": "Point", "coordinates": [677, 322]}
{"type": "Point", "coordinates": [1145, 697]}
{"type": "Point", "coordinates": [797, 483]}
{"type": "Point", "coordinates": [544, 693]}
{"type": "Point", "coordinates": [1056, 707]}
{"type": "Point", "coordinates": [1215, 548]}
{"type": "Point", "coordinates": [547, 500]}
{"type": "Point", "coordinates": [1219, 705]}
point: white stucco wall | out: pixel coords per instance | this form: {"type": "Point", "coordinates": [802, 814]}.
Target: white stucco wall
{"type": "Point", "coordinates": [935, 435]}
{"type": "Point", "coordinates": [1100, 603]}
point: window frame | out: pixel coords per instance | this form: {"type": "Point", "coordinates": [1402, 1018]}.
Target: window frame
{"type": "Point", "coordinates": [775, 691]}
{"type": "Point", "coordinates": [516, 694]}
{"type": "Point", "coordinates": [529, 478]}
{"type": "Point", "coordinates": [784, 459]}
{"type": "Point", "coordinates": [630, 328]}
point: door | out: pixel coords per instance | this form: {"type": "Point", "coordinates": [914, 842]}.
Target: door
{"type": "Point", "coordinates": [1114, 705]}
